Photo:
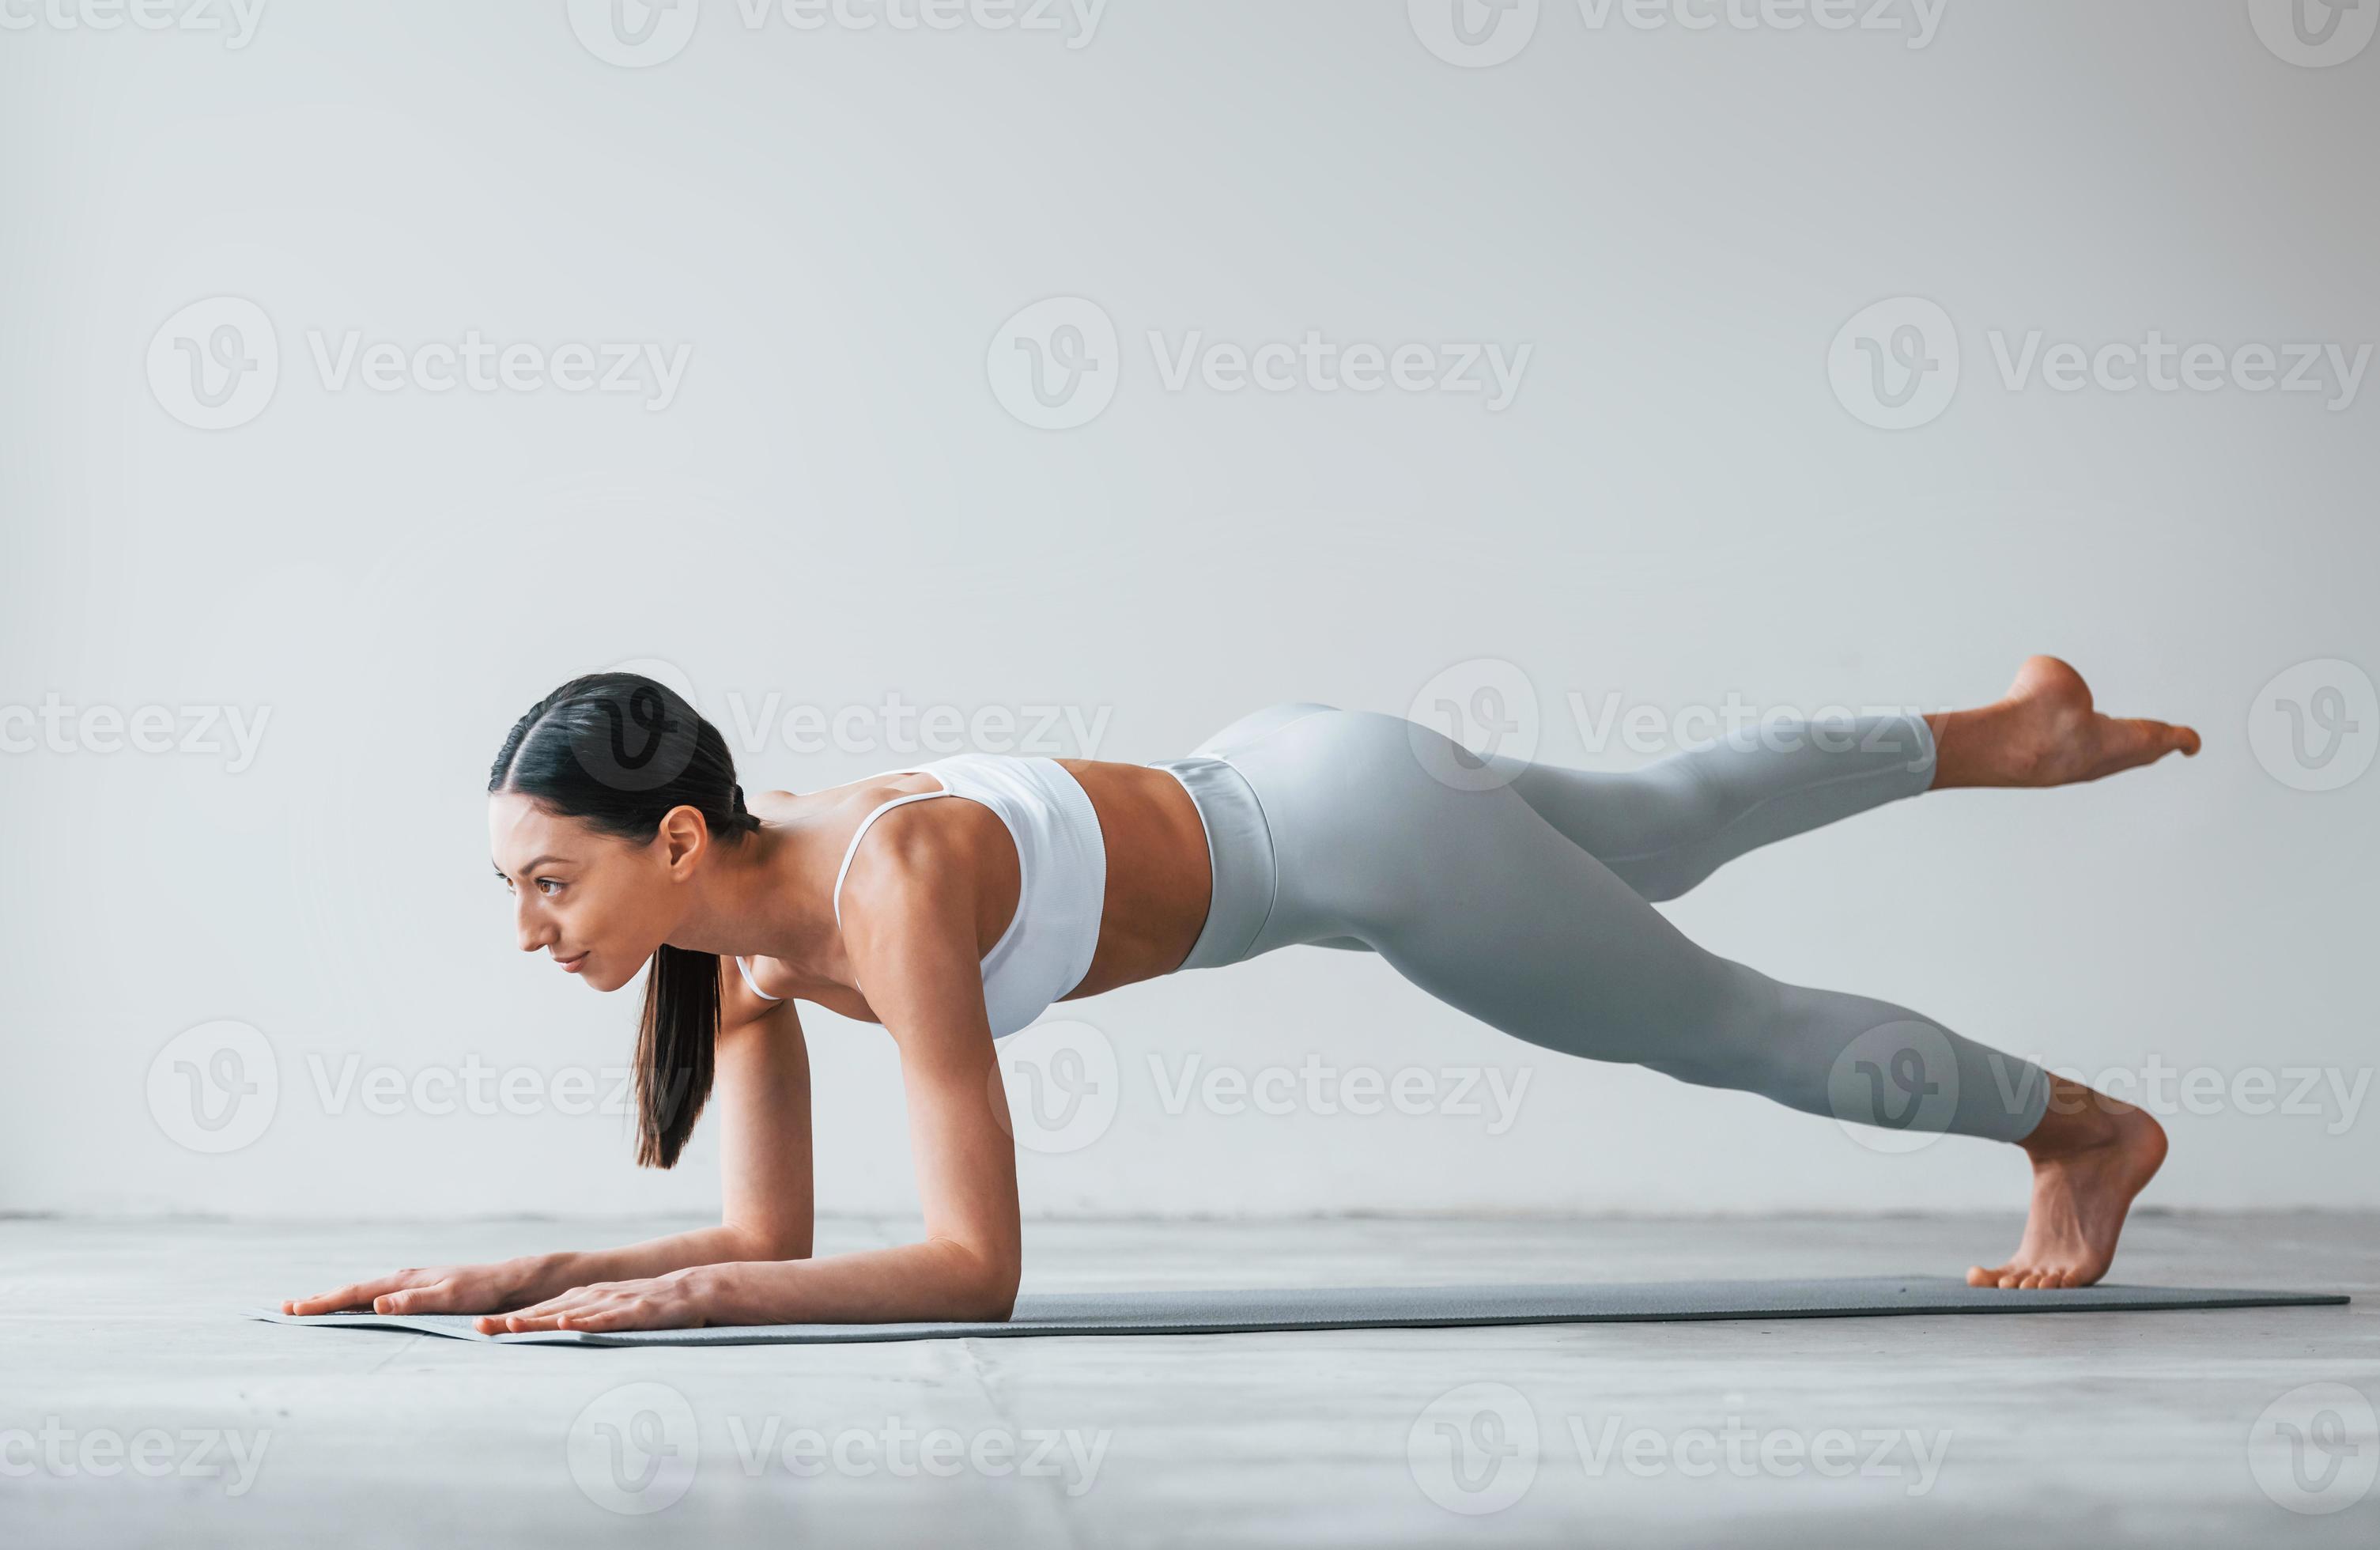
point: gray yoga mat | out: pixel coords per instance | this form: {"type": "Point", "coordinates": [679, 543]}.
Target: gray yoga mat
{"type": "Point", "coordinates": [1228, 1312]}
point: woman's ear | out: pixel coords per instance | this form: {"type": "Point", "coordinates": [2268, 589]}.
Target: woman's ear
{"type": "Point", "coordinates": [682, 836]}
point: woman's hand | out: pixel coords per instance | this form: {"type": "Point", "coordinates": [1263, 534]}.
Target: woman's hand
{"type": "Point", "coordinates": [681, 1300]}
{"type": "Point", "coordinates": [454, 1288]}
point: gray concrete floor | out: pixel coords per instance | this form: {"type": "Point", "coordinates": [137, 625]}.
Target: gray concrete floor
{"type": "Point", "coordinates": [119, 1349]}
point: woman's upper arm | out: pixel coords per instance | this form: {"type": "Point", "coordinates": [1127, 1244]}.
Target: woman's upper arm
{"type": "Point", "coordinates": [761, 1086]}
{"type": "Point", "coordinates": [910, 930]}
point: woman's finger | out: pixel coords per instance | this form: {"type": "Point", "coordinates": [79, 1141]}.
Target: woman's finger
{"type": "Point", "coordinates": [559, 1299]}
{"type": "Point", "coordinates": [520, 1324]}
{"type": "Point", "coordinates": [438, 1297]}
{"type": "Point", "coordinates": [358, 1295]}
{"type": "Point", "coordinates": [578, 1296]}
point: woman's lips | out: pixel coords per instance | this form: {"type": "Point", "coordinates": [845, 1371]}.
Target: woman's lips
{"type": "Point", "coordinates": [573, 965]}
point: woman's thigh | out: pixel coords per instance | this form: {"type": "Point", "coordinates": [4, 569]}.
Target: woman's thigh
{"type": "Point", "coordinates": [1473, 897]}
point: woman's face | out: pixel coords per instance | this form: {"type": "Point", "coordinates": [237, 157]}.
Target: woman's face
{"type": "Point", "coordinates": [597, 904]}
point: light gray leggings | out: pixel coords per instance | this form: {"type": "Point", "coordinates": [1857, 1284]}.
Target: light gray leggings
{"type": "Point", "coordinates": [1521, 893]}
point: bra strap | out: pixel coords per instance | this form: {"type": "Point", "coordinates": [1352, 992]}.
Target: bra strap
{"type": "Point", "coordinates": [852, 847]}
{"type": "Point", "coordinates": [763, 995]}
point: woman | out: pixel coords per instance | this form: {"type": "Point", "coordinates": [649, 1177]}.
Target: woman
{"type": "Point", "coordinates": [1521, 893]}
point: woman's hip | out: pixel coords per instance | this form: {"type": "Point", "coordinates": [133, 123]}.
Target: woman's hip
{"type": "Point", "coordinates": [1311, 813]}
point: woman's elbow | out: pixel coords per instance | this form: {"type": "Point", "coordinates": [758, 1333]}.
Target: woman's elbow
{"type": "Point", "coordinates": [987, 1294]}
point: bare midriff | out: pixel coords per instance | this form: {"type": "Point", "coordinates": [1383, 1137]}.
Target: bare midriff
{"type": "Point", "coordinates": [1159, 879]}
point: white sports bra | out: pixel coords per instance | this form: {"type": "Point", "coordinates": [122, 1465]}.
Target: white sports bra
{"type": "Point", "coordinates": [1062, 866]}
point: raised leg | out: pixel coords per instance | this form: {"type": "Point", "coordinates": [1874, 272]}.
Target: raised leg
{"type": "Point", "coordinates": [1667, 826]}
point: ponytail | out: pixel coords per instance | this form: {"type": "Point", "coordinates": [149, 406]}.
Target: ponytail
{"type": "Point", "coordinates": [674, 1045]}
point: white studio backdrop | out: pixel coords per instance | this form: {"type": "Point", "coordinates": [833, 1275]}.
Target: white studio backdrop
{"type": "Point", "coordinates": [371, 369]}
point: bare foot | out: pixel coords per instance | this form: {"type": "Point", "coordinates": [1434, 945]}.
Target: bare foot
{"type": "Point", "coordinates": [2044, 732]}
{"type": "Point", "coordinates": [2091, 1155]}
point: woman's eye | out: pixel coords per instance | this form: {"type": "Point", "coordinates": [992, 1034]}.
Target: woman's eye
{"type": "Point", "coordinates": [544, 881]}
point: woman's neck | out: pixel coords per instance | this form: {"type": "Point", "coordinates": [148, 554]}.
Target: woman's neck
{"type": "Point", "coordinates": [768, 895]}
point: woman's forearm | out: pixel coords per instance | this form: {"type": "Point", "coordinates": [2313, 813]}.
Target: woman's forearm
{"type": "Point", "coordinates": [654, 1256]}
{"type": "Point", "coordinates": [939, 1279]}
